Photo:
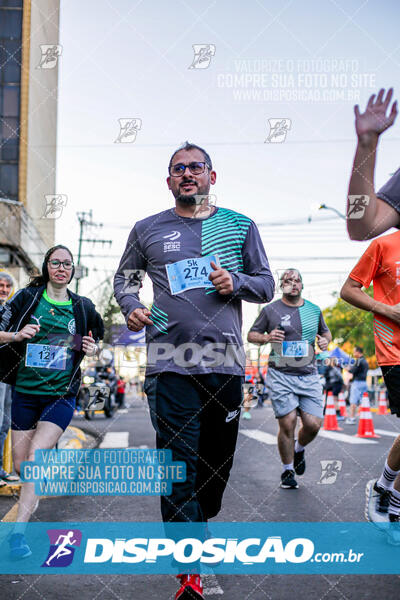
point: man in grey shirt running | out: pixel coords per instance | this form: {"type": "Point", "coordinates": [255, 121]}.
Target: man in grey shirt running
{"type": "Point", "coordinates": [292, 325]}
{"type": "Point", "coordinates": [202, 261]}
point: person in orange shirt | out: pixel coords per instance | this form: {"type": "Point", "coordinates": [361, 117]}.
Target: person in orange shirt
{"type": "Point", "coordinates": [369, 214]}
{"type": "Point", "coordinates": [120, 392]}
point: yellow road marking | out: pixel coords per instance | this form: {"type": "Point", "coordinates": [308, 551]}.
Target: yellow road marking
{"type": "Point", "coordinates": [11, 516]}
{"type": "Point", "coordinates": [74, 443]}
{"type": "Point", "coordinates": [78, 432]}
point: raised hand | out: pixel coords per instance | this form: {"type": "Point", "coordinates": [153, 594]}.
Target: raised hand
{"type": "Point", "coordinates": [374, 121]}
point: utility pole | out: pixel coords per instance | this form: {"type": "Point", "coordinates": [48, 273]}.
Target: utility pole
{"type": "Point", "coordinates": [85, 220]}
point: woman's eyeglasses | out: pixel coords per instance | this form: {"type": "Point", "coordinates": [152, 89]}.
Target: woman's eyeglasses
{"type": "Point", "coordinates": [67, 264]}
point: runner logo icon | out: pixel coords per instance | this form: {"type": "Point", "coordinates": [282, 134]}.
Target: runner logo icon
{"type": "Point", "coordinates": [357, 206]}
{"type": "Point", "coordinates": [203, 54]}
{"type": "Point", "coordinates": [62, 547]}
{"type": "Point", "coordinates": [128, 129]}
{"type": "Point", "coordinates": [330, 471]}
{"type": "Point", "coordinates": [278, 129]}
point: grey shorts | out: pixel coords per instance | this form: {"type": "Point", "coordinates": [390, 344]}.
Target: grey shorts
{"type": "Point", "coordinates": [288, 392]}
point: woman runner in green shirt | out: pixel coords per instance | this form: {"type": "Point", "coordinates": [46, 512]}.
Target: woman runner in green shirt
{"type": "Point", "coordinates": [45, 330]}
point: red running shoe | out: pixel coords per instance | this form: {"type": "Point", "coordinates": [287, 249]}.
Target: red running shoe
{"type": "Point", "coordinates": [191, 588]}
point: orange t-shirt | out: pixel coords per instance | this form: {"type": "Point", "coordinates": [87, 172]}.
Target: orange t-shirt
{"type": "Point", "coordinates": [380, 264]}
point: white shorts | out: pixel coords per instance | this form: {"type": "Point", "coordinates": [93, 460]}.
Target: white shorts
{"type": "Point", "coordinates": [288, 392]}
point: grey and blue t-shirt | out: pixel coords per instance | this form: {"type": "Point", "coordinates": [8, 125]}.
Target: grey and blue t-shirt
{"type": "Point", "coordinates": [197, 330]}
{"type": "Point", "coordinates": [390, 191]}
{"type": "Point", "coordinates": [301, 324]}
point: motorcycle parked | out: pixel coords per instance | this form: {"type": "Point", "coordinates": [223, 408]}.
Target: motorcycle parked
{"type": "Point", "coordinates": [99, 389]}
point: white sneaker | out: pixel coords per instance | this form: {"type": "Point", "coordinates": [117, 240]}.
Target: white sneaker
{"type": "Point", "coordinates": [376, 503]}
{"type": "Point", "coordinates": [350, 421]}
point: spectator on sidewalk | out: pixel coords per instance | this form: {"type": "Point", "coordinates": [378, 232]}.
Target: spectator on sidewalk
{"type": "Point", "coordinates": [334, 384]}
{"type": "Point", "coordinates": [120, 399]}
{"type": "Point", "coordinates": [6, 289]}
{"type": "Point", "coordinates": [358, 382]}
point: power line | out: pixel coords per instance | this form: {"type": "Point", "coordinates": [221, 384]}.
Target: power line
{"type": "Point", "coordinates": [299, 221]}
{"type": "Point", "coordinates": [85, 223]}
{"type": "Point", "coordinates": [299, 258]}
{"type": "Point", "coordinates": [260, 143]}
{"type": "Point", "coordinates": [282, 223]}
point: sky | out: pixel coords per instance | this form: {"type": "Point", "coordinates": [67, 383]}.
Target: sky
{"type": "Point", "coordinates": [304, 62]}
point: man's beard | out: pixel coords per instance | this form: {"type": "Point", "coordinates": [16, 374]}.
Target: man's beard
{"type": "Point", "coordinates": [186, 200]}
{"type": "Point", "coordinates": [291, 297]}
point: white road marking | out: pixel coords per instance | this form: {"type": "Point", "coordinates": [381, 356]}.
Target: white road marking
{"type": "Point", "coordinates": [115, 439]}
{"type": "Point", "coordinates": [343, 437]}
{"type": "Point", "coordinates": [260, 436]}
{"type": "Point", "coordinates": [142, 447]}
{"type": "Point", "coordinates": [270, 440]}
{"type": "Point", "coordinates": [387, 432]}
{"type": "Point", "coordinates": [211, 586]}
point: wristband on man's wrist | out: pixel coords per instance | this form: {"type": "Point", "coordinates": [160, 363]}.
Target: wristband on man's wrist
{"type": "Point", "coordinates": [13, 336]}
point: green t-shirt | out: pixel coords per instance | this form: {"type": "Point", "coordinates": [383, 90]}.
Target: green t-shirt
{"type": "Point", "coordinates": [57, 328]}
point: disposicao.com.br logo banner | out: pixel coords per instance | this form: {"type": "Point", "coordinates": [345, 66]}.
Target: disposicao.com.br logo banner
{"type": "Point", "coordinates": [236, 548]}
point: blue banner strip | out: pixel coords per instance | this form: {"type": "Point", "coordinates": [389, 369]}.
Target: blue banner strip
{"type": "Point", "coordinates": [230, 548]}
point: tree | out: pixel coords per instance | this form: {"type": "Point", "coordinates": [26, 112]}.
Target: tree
{"type": "Point", "coordinates": [351, 326]}
{"type": "Point", "coordinates": [110, 311]}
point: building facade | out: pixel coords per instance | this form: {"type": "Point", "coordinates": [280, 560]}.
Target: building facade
{"type": "Point", "coordinates": [29, 54]}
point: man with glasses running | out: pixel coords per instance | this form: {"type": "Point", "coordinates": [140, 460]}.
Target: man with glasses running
{"type": "Point", "coordinates": [292, 325]}
{"type": "Point", "coordinates": [203, 261]}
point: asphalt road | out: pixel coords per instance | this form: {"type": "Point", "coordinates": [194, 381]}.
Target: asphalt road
{"type": "Point", "coordinates": [253, 494]}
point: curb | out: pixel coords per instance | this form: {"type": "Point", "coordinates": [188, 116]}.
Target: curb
{"type": "Point", "coordinates": [10, 489]}
{"type": "Point", "coordinates": [72, 438]}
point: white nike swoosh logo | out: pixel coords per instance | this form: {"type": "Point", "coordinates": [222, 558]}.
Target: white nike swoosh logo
{"type": "Point", "coordinates": [231, 416]}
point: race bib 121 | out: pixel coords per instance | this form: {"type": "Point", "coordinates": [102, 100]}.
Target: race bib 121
{"type": "Point", "coordinates": [45, 356]}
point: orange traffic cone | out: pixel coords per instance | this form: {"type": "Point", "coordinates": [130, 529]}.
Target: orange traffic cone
{"type": "Point", "coordinates": [342, 405]}
{"type": "Point", "coordinates": [330, 420]}
{"type": "Point", "coordinates": [382, 405]}
{"type": "Point", "coordinates": [365, 395]}
{"type": "Point", "coordinates": [365, 423]}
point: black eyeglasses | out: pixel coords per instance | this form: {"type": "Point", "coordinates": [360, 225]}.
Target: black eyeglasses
{"type": "Point", "coordinates": [67, 264]}
{"type": "Point", "coordinates": [196, 168]}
